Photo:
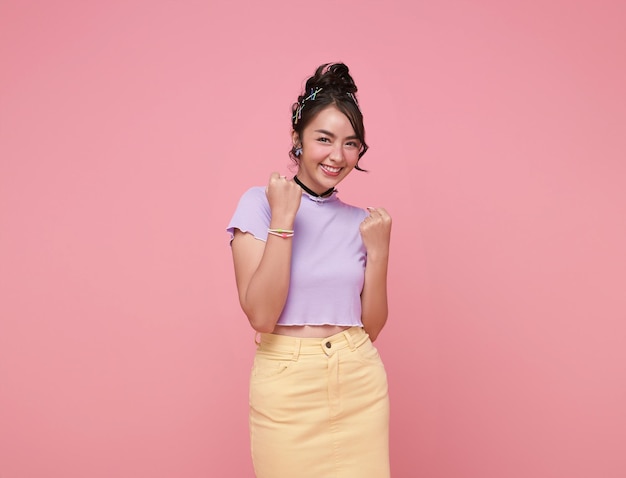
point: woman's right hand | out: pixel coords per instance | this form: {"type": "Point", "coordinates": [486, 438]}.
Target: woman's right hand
{"type": "Point", "coordinates": [284, 196]}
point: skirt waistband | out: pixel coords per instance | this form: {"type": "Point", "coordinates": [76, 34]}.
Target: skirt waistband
{"type": "Point", "coordinates": [350, 338]}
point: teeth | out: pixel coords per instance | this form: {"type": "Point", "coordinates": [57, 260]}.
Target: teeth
{"type": "Point", "coordinates": [331, 169]}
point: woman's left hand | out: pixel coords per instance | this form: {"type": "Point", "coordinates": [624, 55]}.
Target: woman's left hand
{"type": "Point", "coordinates": [376, 232]}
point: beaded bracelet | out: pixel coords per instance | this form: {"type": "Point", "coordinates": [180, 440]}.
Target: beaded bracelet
{"type": "Point", "coordinates": [284, 233]}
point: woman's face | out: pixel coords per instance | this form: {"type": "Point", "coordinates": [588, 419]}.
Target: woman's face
{"type": "Point", "coordinates": [330, 150]}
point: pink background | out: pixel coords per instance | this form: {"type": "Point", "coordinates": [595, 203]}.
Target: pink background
{"type": "Point", "coordinates": [128, 131]}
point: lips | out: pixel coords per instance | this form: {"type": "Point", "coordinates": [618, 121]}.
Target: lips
{"type": "Point", "coordinates": [331, 171]}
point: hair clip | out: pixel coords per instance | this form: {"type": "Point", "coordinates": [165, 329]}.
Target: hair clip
{"type": "Point", "coordinates": [314, 93]}
{"type": "Point", "coordinates": [298, 114]}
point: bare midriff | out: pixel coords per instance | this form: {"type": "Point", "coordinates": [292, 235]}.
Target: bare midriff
{"type": "Point", "coordinates": [309, 331]}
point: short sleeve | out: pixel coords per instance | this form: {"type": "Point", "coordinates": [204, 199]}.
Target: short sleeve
{"type": "Point", "coordinates": [252, 214]}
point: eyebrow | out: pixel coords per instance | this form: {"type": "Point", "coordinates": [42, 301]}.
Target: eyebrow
{"type": "Point", "coordinates": [328, 133]}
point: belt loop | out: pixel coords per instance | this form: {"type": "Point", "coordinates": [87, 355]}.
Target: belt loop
{"type": "Point", "coordinates": [349, 339]}
{"type": "Point", "coordinates": [296, 350]}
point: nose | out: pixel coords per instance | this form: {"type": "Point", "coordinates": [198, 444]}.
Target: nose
{"type": "Point", "coordinates": [336, 153]}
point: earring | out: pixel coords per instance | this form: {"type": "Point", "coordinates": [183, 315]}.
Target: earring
{"type": "Point", "coordinates": [298, 151]}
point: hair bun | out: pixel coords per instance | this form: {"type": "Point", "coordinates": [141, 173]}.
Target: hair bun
{"type": "Point", "coordinates": [334, 77]}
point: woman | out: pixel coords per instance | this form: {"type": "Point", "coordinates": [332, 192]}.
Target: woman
{"type": "Point", "coordinates": [311, 274]}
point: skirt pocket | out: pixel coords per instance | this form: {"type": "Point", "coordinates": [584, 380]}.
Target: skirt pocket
{"type": "Point", "coordinates": [267, 369]}
{"type": "Point", "coordinates": [368, 353]}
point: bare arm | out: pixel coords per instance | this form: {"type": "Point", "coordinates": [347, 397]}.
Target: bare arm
{"type": "Point", "coordinates": [376, 233]}
{"type": "Point", "coordinates": [262, 269]}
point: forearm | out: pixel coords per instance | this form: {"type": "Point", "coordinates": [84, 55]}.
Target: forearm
{"type": "Point", "coordinates": [374, 307]}
{"type": "Point", "coordinates": [263, 296]}
{"type": "Point", "coordinates": [266, 294]}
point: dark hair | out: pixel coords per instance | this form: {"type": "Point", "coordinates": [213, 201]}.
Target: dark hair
{"type": "Point", "coordinates": [336, 87]}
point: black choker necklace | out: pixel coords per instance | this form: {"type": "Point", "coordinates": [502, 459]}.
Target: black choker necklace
{"type": "Point", "coordinates": [313, 193]}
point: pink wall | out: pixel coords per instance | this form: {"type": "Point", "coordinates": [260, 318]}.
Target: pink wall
{"type": "Point", "coordinates": [128, 130]}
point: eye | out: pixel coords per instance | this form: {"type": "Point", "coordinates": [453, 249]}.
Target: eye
{"type": "Point", "coordinates": [323, 139]}
{"type": "Point", "coordinates": [353, 144]}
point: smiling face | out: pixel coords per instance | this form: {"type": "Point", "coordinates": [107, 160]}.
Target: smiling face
{"type": "Point", "coordinates": [330, 150]}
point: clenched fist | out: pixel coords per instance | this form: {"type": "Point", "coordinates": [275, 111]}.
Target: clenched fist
{"type": "Point", "coordinates": [376, 232]}
{"type": "Point", "coordinates": [284, 196]}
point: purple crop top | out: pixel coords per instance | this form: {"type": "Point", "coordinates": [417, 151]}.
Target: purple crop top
{"type": "Point", "coordinates": [327, 261]}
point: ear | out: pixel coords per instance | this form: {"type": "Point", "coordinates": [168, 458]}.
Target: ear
{"type": "Point", "coordinates": [295, 138]}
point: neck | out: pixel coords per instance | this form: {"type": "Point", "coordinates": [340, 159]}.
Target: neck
{"type": "Point", "coordinates": [311, 192]}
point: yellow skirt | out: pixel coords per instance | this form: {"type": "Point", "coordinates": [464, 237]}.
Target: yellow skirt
{"type": "Point", "coordinates": [319, 408]}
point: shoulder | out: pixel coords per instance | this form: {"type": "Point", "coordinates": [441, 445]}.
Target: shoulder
{"type": "Point", "coordinates": [353, 211]}
{"type": "Point", "coordinates": [255, 193]}
{"type": "Point", "coordinates": [252, 213]}
{"type": "Point", "coordinates": [255, 196]}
